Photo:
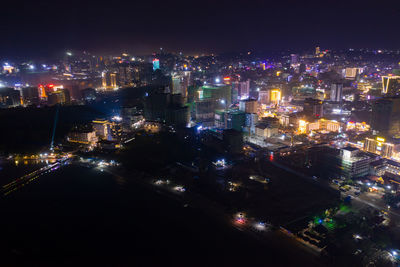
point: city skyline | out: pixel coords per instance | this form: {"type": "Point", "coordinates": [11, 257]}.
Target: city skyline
{"type": "Point", "coordinates": [225, 133]}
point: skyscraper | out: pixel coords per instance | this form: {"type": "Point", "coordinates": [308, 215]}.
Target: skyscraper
{"type": "Point", "coordinates": [385, 116]}
{"type": "Point", "coordinates": [294, 59]}
{"type": "Point", "coordinates": [242, 89]}
{"type": "Point", "coordinates": [336, 92]}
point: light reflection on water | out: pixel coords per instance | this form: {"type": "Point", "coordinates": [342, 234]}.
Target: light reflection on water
{"type": "Point", "coordinates": [12, 169]}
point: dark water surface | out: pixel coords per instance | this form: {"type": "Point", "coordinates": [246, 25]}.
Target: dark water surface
{"type": "Point", "coordinates": [77, 216]}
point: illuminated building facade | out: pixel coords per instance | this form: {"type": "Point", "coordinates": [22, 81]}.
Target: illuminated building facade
{"type": "Point", "coordinates": [101, 127]}
{"type": "Point", "coordinates": [83, 137]}
{"type": "Point", "coordinates": [109, 80]}
{"type": "Point", "coordinates": [269, 96]}
{"type": "Point", "coordinates": [357, 126]}
{"type": "Point", "coordinates": [352, 73]}
{"type": "Point", "coordinates": [379, 146]}
{"type": "Point", "coordinates": [156, 64]}
{"type": "Point", "coordinates": [305, 127]}
{"type": "Point", "coordinates": [364, 87]}
{"type": "Point", "coordinates": [7, 68]}
{"type": "Point", "coordinates": [275, 96]}
{"type": "Point", "coordinates": [107, 130]}
{"type": "Point", "coordinates": [61, 96]}
{"type": "Point", "coordinates": [317, 51]}
{"type": "Point", "coordinates": [390, 85]}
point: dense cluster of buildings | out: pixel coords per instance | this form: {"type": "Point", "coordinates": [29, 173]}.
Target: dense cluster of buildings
{"type": "Point", "coordinates": [348, 98]}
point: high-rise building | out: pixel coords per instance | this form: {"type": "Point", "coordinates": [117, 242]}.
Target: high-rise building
{"type": "Point", "coordinates": [30, 95]}
{"type": "Point", "coordinates": [9, 97]}
{"type": "Point", "coordinates": [294, 60]}
{"type": "Point", "coordinates": [125, 76]}
{"type": "Point", "coordinates": [264, 97]}
{"type": "Point", "coordinates": [166, 108]}
{"type": "Point", "coordinates": [230, 119]}
{"type": "Point", "coordinates": [180, 83]}
{"type": "Point", "coordinates": [205, 111]}
{"type": "Point", "coordinates": [219, 93]}
{"type": "Point", "coordinates": [248, 105]}
{"type": "Point", "coordinates": [156, 64]}
{"type": "Point", "coordinates": [251, 121]}
{"type": "Point", "coordinates": [313, 108]}
{"type": "Point", "coordinates": [390, 85]}
{"type": "Point", "coordinates": [210, 98]}
{"type": "Point", "coordinates": [336, 92]}
{"type": "Point", "coordinates": [385, 116]}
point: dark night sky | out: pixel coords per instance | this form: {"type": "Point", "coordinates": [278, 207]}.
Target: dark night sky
{"type": "Point", "coordinates": [46, 28]}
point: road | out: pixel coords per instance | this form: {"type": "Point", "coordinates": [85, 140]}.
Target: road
{"type": "Point", "coordinates": [373, 200]}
